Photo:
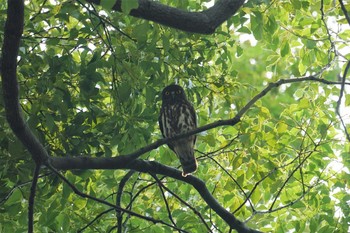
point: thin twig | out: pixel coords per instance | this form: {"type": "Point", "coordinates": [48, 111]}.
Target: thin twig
{"type": "Point", "coordinates": [185, 203]}
{"type": "Point", "coordinates": [341, 93]}
{"type": "Point", "coordinates": [291, 175]}
{"type": "Point", "coordinates": [10, 192]}
{"type": "Point", "coordinates": [95, 219]}
{"type": "Point", "coordinates": [165, 199]}
{"type": "Point", "coordinates": [104, 20]}
{"type": "Point", "coordinates": [122, 184]}
{"type": "Point", "coordinates": [247, 197]}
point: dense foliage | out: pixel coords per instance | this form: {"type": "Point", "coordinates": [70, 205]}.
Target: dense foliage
{"type": "Point", "coordinates": [90, 81]}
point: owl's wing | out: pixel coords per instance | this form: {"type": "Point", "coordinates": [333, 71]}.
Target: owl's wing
{"type": "Point", "coordinates": [194, 118]}
{"type": "Point", "coordinates": [160, 122]}
{"type": "Point", "coordinates": [193, 113]}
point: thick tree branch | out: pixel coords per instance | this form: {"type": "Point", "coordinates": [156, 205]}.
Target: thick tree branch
{"type": "Point", "coordinates": [204, 22]}
{"type": "Point", "coordinates": [157, 168]}
{"type": "Point", "coordinates": [12, 37]}
{"type": "Point", "coordinates": [131, 162]}
{"type": "Point", "coordinates": [13, 31]}
{"type": "Point", "coordinates": [84, 195]}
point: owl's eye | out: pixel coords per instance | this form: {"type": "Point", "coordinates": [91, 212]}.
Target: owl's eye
{"type": "Point", "coordinates": [178, 92]}
{"type": "Point", "coordinates": [167, 93]}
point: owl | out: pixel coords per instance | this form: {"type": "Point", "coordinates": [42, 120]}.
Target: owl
{"type": "Point", "coordinates": [177, 116]}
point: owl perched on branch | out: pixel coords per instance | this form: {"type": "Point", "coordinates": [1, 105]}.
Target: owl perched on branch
{"type": "Point", "coordinates": [177, 116]}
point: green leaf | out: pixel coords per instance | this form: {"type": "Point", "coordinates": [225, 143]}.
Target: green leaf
{"type": "Point", "coordinates": [298, 204]}
{"type": "Point", "coordinates": [239, 51]}
{"type": "Point", "coordinates": [296, 4]}
{"type": "Point", "coordinates": [304, 103]}
{"type": "Point", "coordinates": [166, 43]}
{"type": "Point", "coordinates": [128, 5]}
{"type": "Point", "coordinates": [257, 25]}
{"type": "Point", "coordinates": [282, 127]}
{"type": "Point", "coordinates": [50, 123]}
{"type": "Point", "coordinates": [347, 100]}
{"type": "Point", "coordinates": [140, 32]}
{"type": "Point", "coordinates": [244, 30]}
{"type": "Point", "coordinates": [108, 4]}
{"type": "Point", "coordinates": [323, 128]}
{"type": "Point", "coordinates": [15, 197]}
{"type": "Point", "coordinates": [124, 92]}
{"type": "Point", "coordinates": [285, 49]}
{"type": "Point", "coordinates": [302, 68]}
{"type": "Point", "coordinates": [80, 203]}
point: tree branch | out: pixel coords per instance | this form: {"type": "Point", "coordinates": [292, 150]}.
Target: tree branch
{"type": "Point", "coordinates": [95, 219]}
{"type": "Point", "coordinates": [130, 161]}
{"type": "Point", "coordinates": [122, 183]}
{"type": "Point", "coordinates": [85, 162]}
{"type": "Point", "coordinates": [18, 186]}
{"type": "Point", "coordinates": [341, 93]}
{"type": "Point", "coordinates": [204, 22]}
{"type": "Point", "coordinates": [170, 216]}
{"type": "Point", "coordinates": [12, 37]}
{"type": "Point", "coordinates": [160, 184]}
{"type": "Point", "coordinates": [84, 195]}
{"type": "Point", "coordinates": [155, 168]}
{"type": "Point", "coordinates": [343, 8]}
{"type": "Point", "coordinates": [13, 31]}
{"type": "Point", "coordinates": [32, 199]}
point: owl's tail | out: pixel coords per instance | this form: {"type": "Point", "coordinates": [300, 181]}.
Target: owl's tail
{"type": "Point", "coordinates": [187, 159]}
{"type": "Point", "coordinates": [189, 166]}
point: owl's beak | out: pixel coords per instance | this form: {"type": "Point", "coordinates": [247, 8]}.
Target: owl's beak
{"type": "Point", "coordinates": [172, 95]}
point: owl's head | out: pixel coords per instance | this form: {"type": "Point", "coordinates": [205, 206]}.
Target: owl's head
{"type": "Point", "coordinates": [172, 94]}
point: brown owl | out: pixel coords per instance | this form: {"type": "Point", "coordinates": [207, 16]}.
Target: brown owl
{"type": "Point", "coordinates": [177, 116]}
